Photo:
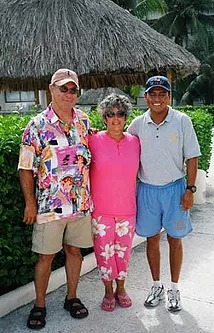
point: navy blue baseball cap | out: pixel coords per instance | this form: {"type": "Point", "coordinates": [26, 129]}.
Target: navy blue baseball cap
{"type": "Point", "coordinates": [157, 81]}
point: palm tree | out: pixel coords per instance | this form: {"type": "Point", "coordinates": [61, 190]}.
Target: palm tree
{"type": "Point", "coordinates": [188, 22]}
{"type": "Point", "coordinates": [126, 4]}
{"type": "Point", "coordinates": [201, 87]}
{"type": "Point", "coordinates": [191, 24]}
{"type": "Point", "coordinates": [143, 8]}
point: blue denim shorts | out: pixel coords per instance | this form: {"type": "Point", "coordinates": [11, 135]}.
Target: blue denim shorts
{"type": "Point", "coordinates": [159, 207]}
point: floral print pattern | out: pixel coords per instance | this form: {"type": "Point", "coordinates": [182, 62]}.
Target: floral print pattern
{"type": "Point", "coordinates": [98, 228]}
{"type": "Point", "coordinates": [60, 163]}
{"type": "Point", "coordinates": [112, 245]}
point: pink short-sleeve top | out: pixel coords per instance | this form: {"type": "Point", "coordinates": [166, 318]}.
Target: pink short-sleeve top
{"type": "Point", "coordinates": [113, 173]}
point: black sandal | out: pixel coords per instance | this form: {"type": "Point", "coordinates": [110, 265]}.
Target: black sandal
{"type": "Point", "coordinates": [76, 308]}
{"type": "Point", "coordinates": [36, 319]}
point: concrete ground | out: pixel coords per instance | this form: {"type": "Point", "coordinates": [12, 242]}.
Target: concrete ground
{"type": "Point", "coordinates": [196, 285]}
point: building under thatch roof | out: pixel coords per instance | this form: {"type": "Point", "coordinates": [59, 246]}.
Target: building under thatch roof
{"type": "Point", "coordinates": [93, 97]}
{"type": "Point", "coordinates": [102, 42]}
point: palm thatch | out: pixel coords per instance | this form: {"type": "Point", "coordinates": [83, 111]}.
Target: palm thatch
{"type": "Point", "coordinates": [102, 42]}
{"type": "Point", "coordinates": [95, 96]}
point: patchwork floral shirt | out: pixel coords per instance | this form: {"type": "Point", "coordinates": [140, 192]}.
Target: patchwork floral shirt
{"type": "Point", "coordinates": [59, 157]}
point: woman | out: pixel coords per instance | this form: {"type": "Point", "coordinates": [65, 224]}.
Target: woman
{"type": "Point", "coordinates": [114, 166]}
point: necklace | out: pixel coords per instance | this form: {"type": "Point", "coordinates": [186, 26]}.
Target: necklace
{"type": "Point", "coordinates": [66, 127]}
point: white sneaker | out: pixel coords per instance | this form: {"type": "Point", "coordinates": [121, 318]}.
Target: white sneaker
{"type": "Point", "coordinates": [155, 296]}
{"type": "Point", "coordinates": [173, 300]}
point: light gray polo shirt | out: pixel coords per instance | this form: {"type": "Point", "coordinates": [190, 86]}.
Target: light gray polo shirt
{"type": "Point", "coordinates": [164, 147]}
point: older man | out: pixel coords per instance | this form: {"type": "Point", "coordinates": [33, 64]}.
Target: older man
{"type": "Point", "coordinates": [56, 191]}
{"type": "Point", "coordinates": [164, 196]}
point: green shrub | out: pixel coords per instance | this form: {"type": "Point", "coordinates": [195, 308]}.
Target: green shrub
{"type": "Point", "coordinates": [96, 120]}
{"type": "Point", "coordinates": [15, 238]}
{"type": "Point", "coordinates": [202, 121]}
{"type": "Point", "coordinates": [133, 115]}
{"type": "Point", "coordinates": [205, 109]}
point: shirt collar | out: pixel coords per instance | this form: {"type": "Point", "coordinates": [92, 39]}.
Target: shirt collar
{"type": "Point", "coordinates": [167, 119]}
{"type": "Point", "coordinates": [53, 118]}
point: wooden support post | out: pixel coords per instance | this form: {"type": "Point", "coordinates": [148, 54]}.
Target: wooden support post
{"type": "Point", "coordinates": [170, 77]}
{"type": "Point", "coordinates": [48, 96]}
{"type": "Point", "coordinates": [36, 94]}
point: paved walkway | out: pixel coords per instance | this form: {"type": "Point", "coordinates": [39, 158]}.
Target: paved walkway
{"type": "Point", "coordinates": [196, 286]}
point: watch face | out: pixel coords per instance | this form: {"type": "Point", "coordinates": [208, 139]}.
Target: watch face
{"type": "Point", "coordinates": [192, 188]}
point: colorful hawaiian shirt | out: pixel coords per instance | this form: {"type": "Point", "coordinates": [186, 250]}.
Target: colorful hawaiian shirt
{"type": "Point", "coordinates": [59, 158]}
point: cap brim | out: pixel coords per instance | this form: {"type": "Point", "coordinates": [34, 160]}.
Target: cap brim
{"type": "Point", "coordinates": [62, 82]}
{"type": "Point", "coordinates": [155, 86]}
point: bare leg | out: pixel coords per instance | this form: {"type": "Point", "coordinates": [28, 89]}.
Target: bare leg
{"type": "Point", "coordinates": [153, 256]}
{"type": "Point", "coordinates": [42, 275]}
{"type": "Point", "coordinates": [73, 265]}
{"type": "Point", "coordinates": [41, 279]}
{"type": "Point", "coordinates": [109, 293]}
{"type": "Point", "coordinates": [120, 286]}
{"type": "Point", "coordinates": [175, 257]}
{"type": "Point", "coordinates": [121, 296]}
{"type": "Point", "coordinates": [108, 303]}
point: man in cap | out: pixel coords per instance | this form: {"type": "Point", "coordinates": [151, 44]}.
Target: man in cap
{"type": "Point", "coordinates": [164, 197]}
{"type": "Point", "coordinates": [53, 185]}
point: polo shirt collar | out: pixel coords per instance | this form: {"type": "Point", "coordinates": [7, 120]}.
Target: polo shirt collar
{"type": "Point", "coordinates": [167, 119]}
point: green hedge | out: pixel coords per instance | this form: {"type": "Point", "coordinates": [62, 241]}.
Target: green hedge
{"type": "Point", "coordinates": [16, 258]}
{"type": "Point", "coordinates": [202, 120]}
{"type": "Point", "coordinates": [205, 109]}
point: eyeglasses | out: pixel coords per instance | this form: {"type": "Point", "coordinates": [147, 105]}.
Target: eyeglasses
{"type": "Point", "coordinates": [65, 89]}
{"type": "Point", "coordinates": [111, 114]}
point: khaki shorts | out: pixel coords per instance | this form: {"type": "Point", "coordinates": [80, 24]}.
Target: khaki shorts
{"type": "Point", "coordinates": [48, 238]}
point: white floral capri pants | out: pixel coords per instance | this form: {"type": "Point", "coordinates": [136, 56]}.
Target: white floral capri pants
{"type": "Point", "coordinates": [112, 245]}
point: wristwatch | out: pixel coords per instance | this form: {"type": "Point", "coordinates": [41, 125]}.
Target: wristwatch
{"type": "Point", "coordinates": [191, 188]}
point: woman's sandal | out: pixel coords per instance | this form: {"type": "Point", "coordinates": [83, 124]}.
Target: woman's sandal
{"type": "Point", "coordinates": [36, 319]}
{"type": "Point", "coordinates": [76, 308]}
{"type": "Point", "coordinates": [123, 300]}
{"type": "Point", "coordinates": [108, 304]}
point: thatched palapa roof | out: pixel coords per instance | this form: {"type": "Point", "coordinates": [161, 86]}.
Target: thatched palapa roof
{"type": "Point", "coordinates": [102, 42]}
{"type": "Point", "coordinates": [95, 96]}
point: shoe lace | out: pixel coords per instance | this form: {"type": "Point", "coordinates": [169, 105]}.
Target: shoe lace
{"type": "Point", "coordinates": [155, 290]}
{"type": "Point", "coordinates": [173, 296]}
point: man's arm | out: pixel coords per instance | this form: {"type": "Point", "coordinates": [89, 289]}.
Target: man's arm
{"type": "Point", "coordinates": [188, 197]}
{"type": "Point", "coordinates": [28, 188]}
{"type": "Point", "coordinates": [192, 167]}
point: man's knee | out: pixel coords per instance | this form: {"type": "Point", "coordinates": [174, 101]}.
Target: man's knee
{"type": "Point", "coordinates": [72, 250]}
{"type": "Point", "coordinates": [174, 242]}
{"type": "Point", "coordinates": [153, 242]}
{"type": "Point", "coordinates": [45, 259]}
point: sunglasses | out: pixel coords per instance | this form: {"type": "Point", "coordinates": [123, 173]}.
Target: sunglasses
{"type": "Point", "coordinates": [65, 89]}
{"type": "Point", "coordinates": [112, 114]}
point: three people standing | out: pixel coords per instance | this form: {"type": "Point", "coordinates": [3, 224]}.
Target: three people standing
{"type": "Point", "coordinates": [54, 174]}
